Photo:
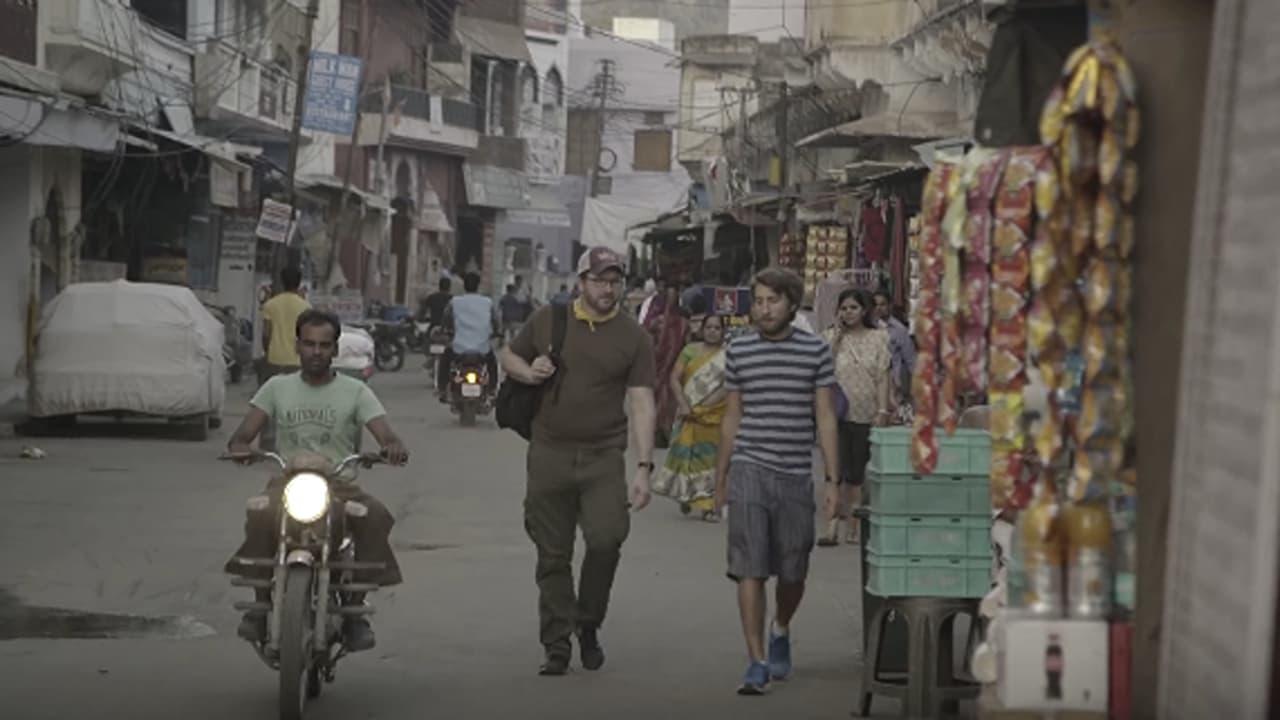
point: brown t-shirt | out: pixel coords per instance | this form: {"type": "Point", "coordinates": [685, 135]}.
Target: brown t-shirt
{"type": "Point", "coordinates": [584, 402]}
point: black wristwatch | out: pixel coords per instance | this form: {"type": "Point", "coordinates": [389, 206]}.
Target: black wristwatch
{"type": "Point", "coordinates": [646, 466]}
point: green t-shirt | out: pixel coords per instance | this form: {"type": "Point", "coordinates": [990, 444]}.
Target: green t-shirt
{"type": "Point", "coordinates": [326, 419]}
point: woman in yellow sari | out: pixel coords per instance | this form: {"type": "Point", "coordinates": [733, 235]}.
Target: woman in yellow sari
{"type": "Point", "coordinates": [697, 381]}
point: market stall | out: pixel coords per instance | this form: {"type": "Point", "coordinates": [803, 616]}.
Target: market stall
{"type": "Point", "coordinates": [1023, 305]}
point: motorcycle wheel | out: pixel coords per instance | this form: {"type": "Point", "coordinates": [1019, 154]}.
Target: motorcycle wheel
{"type": "Point", "coordinates": [295, 643]}
{"type": "Point", "coordinates": [389, 358]}
{"type": "Point", "coordinates": [467, 415]}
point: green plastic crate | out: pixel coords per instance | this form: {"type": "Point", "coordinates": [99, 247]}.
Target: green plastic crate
{"type": "Point", "coordinates": [968, 452]}
{"type": "Point", "coordinates": [930, 536]}
{"type": "Point", "coordinates": [890, 576]}
{"type": "Point", "coordinates": [929, 494]}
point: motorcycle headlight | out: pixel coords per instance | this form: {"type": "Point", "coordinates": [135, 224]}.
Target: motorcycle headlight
{"type": "Point", "coordinates": [306, 497]}
{"type": "Point", "coordinates": [472, 378]}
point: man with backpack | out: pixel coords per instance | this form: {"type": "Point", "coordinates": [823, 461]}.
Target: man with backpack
{"type": "Point", "coordinates": [601, 360]}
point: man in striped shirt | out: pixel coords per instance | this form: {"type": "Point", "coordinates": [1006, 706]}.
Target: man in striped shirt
{"type": "Point", "coordinates": [779, 380]}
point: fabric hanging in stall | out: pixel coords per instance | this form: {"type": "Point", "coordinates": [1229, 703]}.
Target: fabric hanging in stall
{"type": "Point", "coordinates": [873, 233]}
{"type": "Point", "coordinates": [898, 253]}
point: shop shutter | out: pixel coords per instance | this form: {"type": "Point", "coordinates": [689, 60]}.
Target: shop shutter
{"type": "Point", "coordinates": [1220, 593]}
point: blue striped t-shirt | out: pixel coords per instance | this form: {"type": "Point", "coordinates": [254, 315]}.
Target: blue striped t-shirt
{"type": "Point", "coordinates": [778, 380]}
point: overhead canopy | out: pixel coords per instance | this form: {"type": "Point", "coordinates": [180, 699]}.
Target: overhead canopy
{"type": "Point", "coordinates": [371, 200]}
{"type": "Point", "coordinates": [913, 125]}
{"type": "Point", "coordinates": [614, 225]}
{"type": "Point", "coordinates": [38, 123]}
{"type": "Point", "coordinates": [493, 39]}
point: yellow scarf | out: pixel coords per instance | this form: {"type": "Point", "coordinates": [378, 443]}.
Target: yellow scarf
{"type": "Point", "coordinates": [588, 316]}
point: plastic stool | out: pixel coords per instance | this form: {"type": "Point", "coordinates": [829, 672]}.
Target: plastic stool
{"type": "Point", "coordinates": [931, 680]}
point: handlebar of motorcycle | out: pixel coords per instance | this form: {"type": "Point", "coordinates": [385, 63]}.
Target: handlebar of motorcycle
{"type": "Point", "coordinates": [255, 456]}
{"type": "Point", "coordinates": [366, 460]}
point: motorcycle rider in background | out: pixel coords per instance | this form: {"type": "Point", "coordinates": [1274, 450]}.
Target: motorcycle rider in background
{"type": "Point", "coordinates": [474, 319]}
{"type": "Point", "coordinates": [322, 412]}
{"type": "Point", "coordinates": [433, 306]}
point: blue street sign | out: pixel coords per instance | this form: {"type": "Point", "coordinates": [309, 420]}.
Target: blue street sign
{"type": "Point", "coordinates": [333, 89]}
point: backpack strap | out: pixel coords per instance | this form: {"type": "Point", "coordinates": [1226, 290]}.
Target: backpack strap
{"type": "Point", "coordinates": [559, 329]}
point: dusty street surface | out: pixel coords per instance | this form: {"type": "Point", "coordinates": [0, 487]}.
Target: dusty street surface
{"type": "Point", "coordinates": [138, 523]}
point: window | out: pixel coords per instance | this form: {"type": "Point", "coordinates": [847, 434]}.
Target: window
{"type": "Point", "coordinates": [652, 151]}
{"type": "Point", "coordinates": [349, 37]}
{"type": "Point", "coordinates": [529, 86]}
{"type": "Point", "coordinates": [554, 90]}
{"type": "Point", "coordinates": [164, 14]}
{"type": "Point", "coordinates": [655, 118]}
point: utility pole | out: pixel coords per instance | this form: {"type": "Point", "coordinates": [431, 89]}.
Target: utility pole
{"type": "Point", "coordinates": [335, 246]}
{"type": "Point", "coordinates": [299, 104]}
{"type": "Point", "coordinates": [604, 87]}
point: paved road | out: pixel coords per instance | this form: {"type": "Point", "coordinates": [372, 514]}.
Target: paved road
{"type": "Point", "coordinates": [138, 523]}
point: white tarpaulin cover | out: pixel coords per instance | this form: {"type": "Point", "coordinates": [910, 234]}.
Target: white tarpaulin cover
{"type": "Point", "coordinates": [122, 346]}
{"type": "Point", "coordinates": [606, 223]}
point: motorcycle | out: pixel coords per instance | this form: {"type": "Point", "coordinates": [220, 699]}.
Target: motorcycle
{"type": "Point", "coordinates": [313, 567]}
{"type": "Point", "coordinates": [388, 344]}
{"type": "Point", "coordinates": [416, 335]}
{"type": "Point", "coordinates": [438, 339]}
{"type": "Point", "coordinates": [469, 393]}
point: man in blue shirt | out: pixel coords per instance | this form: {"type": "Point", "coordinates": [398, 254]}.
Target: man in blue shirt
{"type": "Point", "coordinates": [474, 320]}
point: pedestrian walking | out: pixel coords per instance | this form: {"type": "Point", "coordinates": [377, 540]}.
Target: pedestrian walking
{"type": "Point", "coordinates": [689, 474]}
{"type": "Point", "coordinates": [279, 344]}
{"type": "Point", "coordinates": [779, 381]}
{"type": "Point", "coordinates": [669, 330]}
{"type": "Point", "coordinates": [902, 350]}
{"type": "Point", "coordinates": [513, 313]}
{"type": "Point", "coordinates": [862, 357]}
{"type": "Point", "coordinates": [576, 463]}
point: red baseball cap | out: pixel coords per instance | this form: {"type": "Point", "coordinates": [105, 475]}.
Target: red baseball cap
{"type": "Point", "coordinates": [599, 259]}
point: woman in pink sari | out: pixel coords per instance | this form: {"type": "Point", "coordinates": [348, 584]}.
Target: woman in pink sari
{"type": "Point", "coordinates": [668, 328]}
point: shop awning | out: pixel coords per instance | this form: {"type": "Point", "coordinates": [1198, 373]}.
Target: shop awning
{"type": "Point", "coordinates": [332, 182]}
{"type": "Point", "coordinates": [488, 38]}
{"type": "Point", "coordinates": [913, 125]}
{"type": "Point", "coordinates": [867, 172]}
{"type": "Point", "coordinates": [220, 150]}
{"type": "Point", "coordinates": [38, 121]}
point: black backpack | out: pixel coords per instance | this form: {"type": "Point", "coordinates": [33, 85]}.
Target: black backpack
{"type": "Point", "coordinates": [517, 403]}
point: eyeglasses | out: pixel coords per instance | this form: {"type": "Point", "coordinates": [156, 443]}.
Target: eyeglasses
{"type": "Point", "coordinates": [605, 282]}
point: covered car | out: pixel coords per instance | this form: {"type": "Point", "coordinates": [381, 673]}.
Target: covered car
{"type": "Point", "coordinates": [122, 347]}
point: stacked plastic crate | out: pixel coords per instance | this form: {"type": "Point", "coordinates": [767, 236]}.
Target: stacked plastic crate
{"type": "Point", "coordinates": [930, 535]}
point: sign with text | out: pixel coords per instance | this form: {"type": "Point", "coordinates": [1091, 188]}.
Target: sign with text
{"type": "Point", "coordinates": [348, 308]}
{"type": "Point", "coordinates": [333, 93]}
{"type": "Point", "coordinates": [274, 223]}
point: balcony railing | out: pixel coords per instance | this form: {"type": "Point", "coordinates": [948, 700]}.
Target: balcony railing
{"type": "Point", "coordinates": [228, 80]}
{"type": "Point", "coordinates": [416, 103]}
{"type": "Point", "coordinates": [462, 114]}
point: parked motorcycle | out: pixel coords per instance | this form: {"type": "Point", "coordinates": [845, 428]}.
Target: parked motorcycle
{"type": "Point", "coordinates": [388, 344]}
{"type": "Point", "coordinates": [469, 393]}
{"type": "Point", "coordinates": [313, 566]}
{"type": "Point", "coordinates": [416, 335]}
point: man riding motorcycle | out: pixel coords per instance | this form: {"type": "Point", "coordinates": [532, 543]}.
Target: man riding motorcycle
{"type": "Point", "coordinates": [474, 320]}
{"type": "Point", "coordinates": [317, 411]}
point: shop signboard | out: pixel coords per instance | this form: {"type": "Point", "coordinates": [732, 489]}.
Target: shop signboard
{"type": "Point", "coordinates": [348, 308]}
{"type": "Point", "coordinates": [333, 83]}
{"type": "Point", "coordinates": [274, 223]}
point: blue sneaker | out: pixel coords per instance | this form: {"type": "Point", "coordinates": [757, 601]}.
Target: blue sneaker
{"type": "Point", "coordinates": [779, 656]}
{"type": "Point", "coordinates": [756, 681]}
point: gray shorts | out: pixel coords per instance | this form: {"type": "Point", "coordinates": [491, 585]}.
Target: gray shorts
{"type": "Point", "coordinates": [771, 527]}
